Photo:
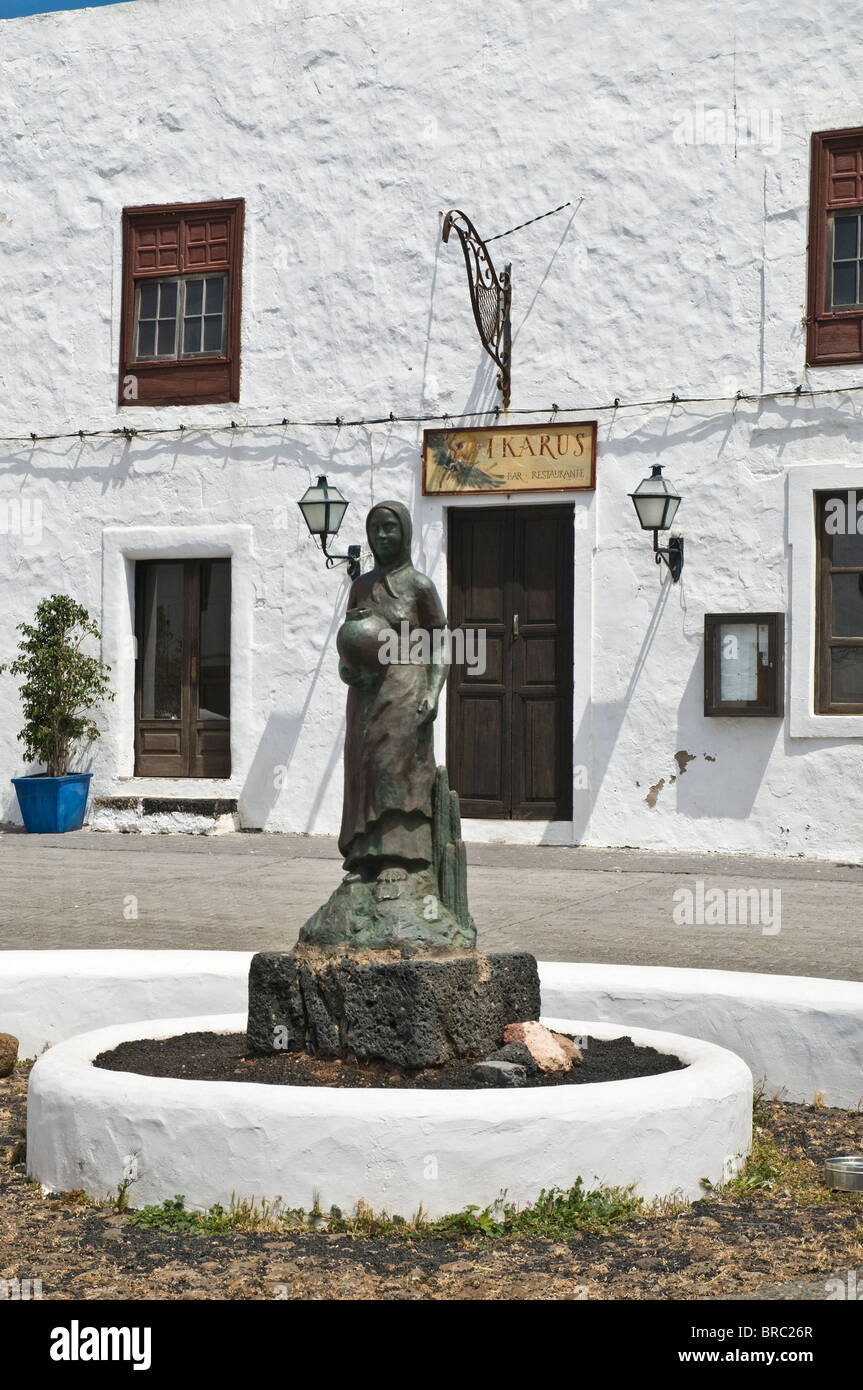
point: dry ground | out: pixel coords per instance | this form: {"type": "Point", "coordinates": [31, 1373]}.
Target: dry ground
{"type": "Point", "coordinates": [729, 1244]}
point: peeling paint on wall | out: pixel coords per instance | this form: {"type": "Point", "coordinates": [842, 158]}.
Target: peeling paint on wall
{"type": "Point", "coordinates": [683, 759]}
{"type": "Point", "coordinates": [654, 792]}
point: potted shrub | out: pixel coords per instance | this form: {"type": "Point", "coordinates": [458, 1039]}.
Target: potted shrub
{"type": "Point", "coordinates": [60, 689]}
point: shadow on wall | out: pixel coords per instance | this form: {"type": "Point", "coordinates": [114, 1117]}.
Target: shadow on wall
{"type": "Point", "coordinates": [719, 763]}
{"type": "Point", "coordinates": [272, 759]}
{"type": "Point", "coordinates": [270, 773]}
{"type": "Point", "coordinates": [597, 735]}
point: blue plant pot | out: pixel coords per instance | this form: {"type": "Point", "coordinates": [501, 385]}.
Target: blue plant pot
{"type": "Point", "coordinates": [50, 805]}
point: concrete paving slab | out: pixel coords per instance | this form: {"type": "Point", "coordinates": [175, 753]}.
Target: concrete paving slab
{"type": "Point", "coordinates": [253, 891]}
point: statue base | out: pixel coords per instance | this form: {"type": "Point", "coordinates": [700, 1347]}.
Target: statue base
{"type": "Point", "coordinates": [411, 1009]}
{"type": "Point", "coordinates": [400, 908]}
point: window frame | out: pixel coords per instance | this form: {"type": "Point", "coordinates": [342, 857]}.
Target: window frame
{"type": "Point", "coordinates": [199, 378]}
{"type": "Point", "coordinates": [204, 745]}
{"type": "Point", "coordinates": [771, 705]}
{"type": "Point", "coordinates": [834, 336]}
{"type": "Point", "coordinates": [830, 263]}
{"type": "Point", "coordinates": [179, 354]}
{"type": "Point", "coordinates": [825, 638]}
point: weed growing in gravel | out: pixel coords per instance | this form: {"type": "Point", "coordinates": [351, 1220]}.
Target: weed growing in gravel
{"type": "Point", "coordinates": [771, 1168]}
{"type": "Point", "coordinates": [173, 1215]}
{"type": "Point", "coordinates": [556, 1213]}
{"type": "Point", "coordinates": [170, 1216]}
{"type": "Point", "coordinates": [760, 1111]}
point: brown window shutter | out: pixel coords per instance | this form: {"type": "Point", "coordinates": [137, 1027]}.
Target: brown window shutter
{"type": "Point", "coordinates": [835, 336]}
{"type": "Point", "coordinates": [844, 176]}
{"type": "Point", "coordinates": [182, 239]}
{"type": "Point", "coordinates": [156, 249]}
{"type": "Point", "coordinates": [206, 243]}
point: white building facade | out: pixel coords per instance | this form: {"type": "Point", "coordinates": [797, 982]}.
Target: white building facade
{"type": "Point", "coordinates": [322, 149]}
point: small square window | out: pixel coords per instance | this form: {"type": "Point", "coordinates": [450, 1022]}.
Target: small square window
{"type": "Point", "coordinates": [180, 335]}
{"type": "Point", "coordinates": [743, 663]}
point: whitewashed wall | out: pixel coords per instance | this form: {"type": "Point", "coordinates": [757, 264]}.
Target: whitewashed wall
{"type": "Point", "coordinates": [348, 133]}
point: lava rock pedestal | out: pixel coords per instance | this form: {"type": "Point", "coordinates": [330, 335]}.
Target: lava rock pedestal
{"type": "Point", "coordinates": [413, 1010]}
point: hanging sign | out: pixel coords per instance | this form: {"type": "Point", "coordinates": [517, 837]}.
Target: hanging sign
{"type": "Point", "coordinates": [503, 458]}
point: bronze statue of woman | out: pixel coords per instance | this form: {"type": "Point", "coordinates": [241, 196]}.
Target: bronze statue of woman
{"type": "Point", "coordinates": [405, 885]}
{"type": "Point", "coordinates": [391, 707]}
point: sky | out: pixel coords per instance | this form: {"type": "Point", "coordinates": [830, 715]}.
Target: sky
{"type": "Point", "coordinates": [12, 9]}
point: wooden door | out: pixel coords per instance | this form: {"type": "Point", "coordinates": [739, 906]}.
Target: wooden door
{"type": "Point", "coordinates": [509, 728]}
{"type": "Point", "coordinates": [182, 673]}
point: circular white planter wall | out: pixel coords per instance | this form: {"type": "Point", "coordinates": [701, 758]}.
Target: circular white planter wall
{"type": "Point", "coordinates": [396, 1149]}
{"type": "Point", "coordinates": [801, 1035]}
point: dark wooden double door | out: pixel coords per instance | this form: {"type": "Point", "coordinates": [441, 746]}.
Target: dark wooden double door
{"type": "Point", "coordinates": [509, 728]}
{"type": "Point", "coordinates": [183, 668]}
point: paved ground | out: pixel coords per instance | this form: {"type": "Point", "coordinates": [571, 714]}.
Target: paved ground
{"type": "Point", "coordinates": [253, 891]}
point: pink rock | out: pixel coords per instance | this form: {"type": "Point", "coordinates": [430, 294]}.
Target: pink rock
{"type": "Point", "coordinates": [572, 1050]}
{"type": "Point", "coordinates": [541, 1043]}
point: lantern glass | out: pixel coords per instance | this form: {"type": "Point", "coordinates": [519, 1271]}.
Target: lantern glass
{"type": "Point", "coordinates": [656, 501]}
{"type": "Point", "coordinates": [323, 507]}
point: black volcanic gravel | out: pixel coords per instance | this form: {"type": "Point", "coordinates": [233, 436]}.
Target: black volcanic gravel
{"type": "Point", "coordinates": [223, 1057]}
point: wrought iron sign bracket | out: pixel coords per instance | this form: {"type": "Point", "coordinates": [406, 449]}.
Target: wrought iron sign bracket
{"type": "Point", "coordinates": [490, 295]}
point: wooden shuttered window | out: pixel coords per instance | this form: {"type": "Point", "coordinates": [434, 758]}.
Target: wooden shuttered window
{"type": "Point", "coordinates": [835, 313]}
{"type": "Point", "coordinates": [182, 296]}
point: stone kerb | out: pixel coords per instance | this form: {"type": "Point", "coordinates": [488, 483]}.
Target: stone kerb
{"type": "Point", "coordinates": [395, 1149]}
{"type": "Point", "coordinates": [802, 1035]}
{"type": "Point", "coordinates": [799, 1035]}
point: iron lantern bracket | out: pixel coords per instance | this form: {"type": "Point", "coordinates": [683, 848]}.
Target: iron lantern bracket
{"type": "Point", "coordinates": [352, 559]}
{"type": "Point", "coordinates": [671, 554]}
{"type": "Point", "coordinates": [490, 296]}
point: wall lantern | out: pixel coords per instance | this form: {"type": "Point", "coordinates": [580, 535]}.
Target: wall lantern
{"type": "Point", "coordinates": [656, 501]}
{"type": "Point", "coordinates": [323, 508]}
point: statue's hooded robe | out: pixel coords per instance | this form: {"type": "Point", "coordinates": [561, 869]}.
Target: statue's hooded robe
{"type": "Point", "coordinates": [389, 753]}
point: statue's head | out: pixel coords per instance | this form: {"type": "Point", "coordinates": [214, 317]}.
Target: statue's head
{"type": "Point", "coordinates": [389, 530]}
